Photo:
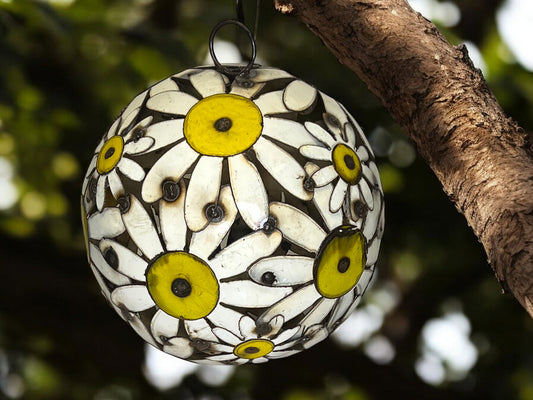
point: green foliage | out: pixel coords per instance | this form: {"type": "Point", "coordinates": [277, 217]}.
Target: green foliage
{"type": "Point", "coordinates": [68, 67]}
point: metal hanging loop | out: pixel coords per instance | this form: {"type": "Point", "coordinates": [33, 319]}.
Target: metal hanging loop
{"type": "Point", "coordinates": [246, 70]}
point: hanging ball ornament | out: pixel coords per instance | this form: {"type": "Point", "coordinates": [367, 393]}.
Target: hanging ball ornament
{"type": "Point", "coordinates": [233, 214]}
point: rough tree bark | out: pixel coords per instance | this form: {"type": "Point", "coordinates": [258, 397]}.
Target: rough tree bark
{"type": "Point", "coordinates": [483, 159]}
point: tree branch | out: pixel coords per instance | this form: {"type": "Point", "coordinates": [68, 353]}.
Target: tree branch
{"type": "Point", "coordinates": [482, 158]}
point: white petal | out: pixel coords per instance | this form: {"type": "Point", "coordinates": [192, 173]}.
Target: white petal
{"type": "Point", "coordinates": [350, 135]}
{"type": "Point", "coordinates": [138, 326]}
{"type": "Point", "coordinates": [341, 308]}
{"type": "Point", "coordinates": [250, 294]}
{"type": "Point", "coordinates": [115, 184]}
{"type": "Point", "coordinates": [139, 145]}
{"type": "Point", "coordinates": [282, 354]}
{"type": "Point", "coordinates": [134, 298]}
{"type": "Point", "coordinates": [110, 132]}
{"type": "Point", "coordinates": [226, 318]}
{"type": "Point", "coordinates": [225, 358]}
{"type": "Point", "coordinates": [165, 133]}
{"type": "Point", "coordinates": [271, 103]}
{"type": "Point", "coordinates": [105, 224]}
{"type": "Point", "coordinates": [131, 169]}
{"type": "Point", "coordinates": [362, 153]}
{"type": "Point", "coordinates": [164, 325]}
{"type": "Point", "coordinates": [135, 104]}
{"type": "Point", "coordinates": [283, 167]}
{"type": "Point", "coordinates": [247, 327]}
{"type": "Point", "coordinates": [297, 227]}
{"type": "Point", "coordinates": [226, 336]}
{"type": "Point", "coordinates": [172, 221]}
{"type": "Point", "coordinates": [249, 192]}
{"type": "Point", "coordinates": [208, 82]}
{"type": "Point", "coordinates": [319, 312]}
{"type": "Point", "coordinates": [338, 196]}
{"type": "Point", "coordinates": [367, 193]}
{"type": "Point", "coordinates": [100, 191]}
{"type": "Point", "coordinates": [203, 243]}
{"type": "Point", "coordinates": [247, 92]}
{"type": "Point", "coordinates": [292, 305]}
{"type": "Point", "coordinates": [286, 334]}
{"type": "Point", "coordinates": [317, 337]}
{"type": "Point", "coordinates": [141, 229]}
{"type": "Point", "coordinates": [333, 108]}
{"type": "Point", "coordinates": [267, 74]}
{"type": "Point", "coordinates": [129, 263]}
{"type": "Point", "coordinates": [375, 173]}
{"type": "Point", "coordinates": [311, 168]}
{"type": "Point", "coordinates": [321, 198]}
{"type": "Point", "coordinates": [371, 222]}
{"type": "Point", "coordinates": [316, 152]}
{"type": "Point", "coordinates": [172, 165]}
{"type": "Point", "coordinates": [325, 175]}
{"type": "Point", "coordinates": [179, 347]}
{"type": "Point", "coordinates": [287, 270]}
{"type": "Point", "coordinates": [101, 264]}
{"type": "Point", "coordinates": [276, 324]}
{"type": "Point", "coordinates": [176, 103]}
{"type": "Point", "coordinates": [127, 119]}
{"type": "Point", "coordinates": [372, 253]}
{"type": "Point", "coordinates": [238, 256]}
{"type": "Point", "coordinates": [164, 86]}
{"type": "Point", "coordinates": [299, 96]}
{"type": "Point", "coordinates": [287, 131]}
{"type": "Point", "coordinates": [203, 189]}
{"type": "Point", "coordinates": [199, 329]}
{"type": "Point", "coordinates": [321, 134]}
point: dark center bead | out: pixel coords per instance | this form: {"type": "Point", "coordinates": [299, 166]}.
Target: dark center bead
{"type": "Point", "coordinates": [269, 225]}
{"type": "Point", "coordinates": [309, 184]}
{"type": "Point", "coordinates": [181, 288]}
{"type": "Point", "coordinates": [138, 133]}
{"type": "Point", "coordinates": [251, 350]}
{"type": "Point", "coordinates": [214, 213]}
{"type": "Point", "coordinates": [123, 203]}
{"type": "Point", "coordinates": [343, 265]}
{"type": "Point", "coordinates": [349, 161]}
{"type": "Point", "coordinates": [359, 208]}
{"type": "Point", "coordinates": [268, 278]}
{"type": "Point", "coordinates": [171, 190]}
{"type": "Point", "coordinates": [223, 124]}
{"type": "Point", "coordinates": [109, 153]}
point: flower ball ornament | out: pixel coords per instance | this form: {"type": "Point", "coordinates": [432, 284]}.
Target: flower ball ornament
{"type": "Point", "coordinates": [233, 219]}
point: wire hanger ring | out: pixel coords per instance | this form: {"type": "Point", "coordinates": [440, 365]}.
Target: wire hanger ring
{"type": "Point", "coordinates": [246, 70]}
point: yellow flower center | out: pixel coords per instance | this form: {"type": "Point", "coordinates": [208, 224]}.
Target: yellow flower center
{"type": "Point", "coordinates": [340, 262]}
{"type": "Point", "coordinates": [346, 164]}
{"type": "Point", "coordinates": [182, 285]}
{"type": "Point", "coordinates": [254, 348]}
{"type": "Point", "coordinates": [223, 125]}
{"type": "Point", "coordinates": [110, 154]}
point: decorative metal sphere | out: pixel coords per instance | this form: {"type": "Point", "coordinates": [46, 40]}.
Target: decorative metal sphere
{"type": "Point", "coordinates": [233, 219]}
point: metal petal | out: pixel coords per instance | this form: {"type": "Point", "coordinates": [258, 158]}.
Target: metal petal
{"type": "Point", "coordinates": [172, 165]}
{"type": "Point", "coordinates": [103, 267]}
{"type": "Point", "coordinates": [164, 326]}
{"type": "Point", "coordinates": [287, 131]}
{"type": "Point", "coordinates": [129, 263]}
{"type": "Point", "coordinates": [321, 134]}
{"type": "Point", "coordinates": [141, 229]}
{"type": "Point", "coordinates": [250, 294]}
{"type": "Point", "coordinates": [299, 96]}
{"type": "Point", "coordinates": [203, 189]}
{"type": "Point", "coordinates": [287, 270]}
{"type": "Point", "coordinates": [283, 168]}
{"type": "Point", "coordinates": [238, 256]}
{"type": "Point", "coordinates": [249, 192]}
{"type": "Point", "coordinates": [134, 298]}
{"type": "Point", "coordinates": [208, 82]}
{"type": "Point", "coordinates": [175, 102]}
{"type": "Point", "coordinates": [203, 243]}
{"type": "Point", "coordinates": [297, 227]}
{"type": "Point", "coordinates": [105, 224]}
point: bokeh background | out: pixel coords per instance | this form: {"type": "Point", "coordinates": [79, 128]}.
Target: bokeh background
{"type": "Point", "coordinates": [435, 324]}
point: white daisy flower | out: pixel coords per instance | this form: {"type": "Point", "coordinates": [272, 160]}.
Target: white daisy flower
{"type": "Point", "coordinates": [218, 128]}
{"type": "Point", "coordinates": [188, 289]}
{"type": "Point", "coordinates": [329, 284]}
{"type": "Point", "coordinates": [253, 343]}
